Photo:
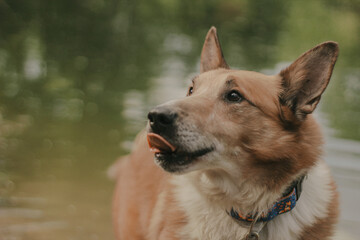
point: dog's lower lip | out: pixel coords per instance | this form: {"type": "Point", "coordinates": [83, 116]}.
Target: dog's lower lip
{"type": "Point", "coordinates": [194, 154]}
{"type": "Point", "coordinates": [177, 161]}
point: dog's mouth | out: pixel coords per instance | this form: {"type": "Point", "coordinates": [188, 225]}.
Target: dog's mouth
{"type": "Point", "coordinates": [171, 158]}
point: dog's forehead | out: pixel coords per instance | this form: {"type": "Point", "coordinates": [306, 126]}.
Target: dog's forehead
{"type": "Point", "coordinates": [248, 82]}
{"type": "Point", "coordinates": [260, 89]}
{"type": "Point", "coordinates": [220, 76]}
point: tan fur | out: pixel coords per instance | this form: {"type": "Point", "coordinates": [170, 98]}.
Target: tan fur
{"type": "Point", "coordinates": [323, 227]}
{"type": "Point", "coordinates": [113, 171]}
{"type": "Point", "coordinates": [140, 186]}
{"type": "Point", "coordinates": [213, 58]}
{"type": "Point", "coordinates": [257, 147]}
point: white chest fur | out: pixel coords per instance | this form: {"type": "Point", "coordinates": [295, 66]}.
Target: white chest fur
{"type": "Point", "coordinates": [211, 222]}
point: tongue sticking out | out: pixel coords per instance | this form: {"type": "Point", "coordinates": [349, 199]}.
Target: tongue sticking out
{"type": "Point", "coordinates": [158, 144]}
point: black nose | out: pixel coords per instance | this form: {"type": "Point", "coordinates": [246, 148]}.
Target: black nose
{"type": "Point", "coordinates": [161, 118]}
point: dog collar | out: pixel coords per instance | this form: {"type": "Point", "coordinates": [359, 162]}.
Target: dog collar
{"type": "Point", "coordinates": [283, 205]}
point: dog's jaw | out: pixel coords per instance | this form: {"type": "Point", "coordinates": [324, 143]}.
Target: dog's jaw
{"type": "Point", "coordinates": [180, 162]}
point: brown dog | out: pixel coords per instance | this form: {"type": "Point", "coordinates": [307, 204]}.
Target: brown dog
{"type": "Point", "coordinates": [238, 158]}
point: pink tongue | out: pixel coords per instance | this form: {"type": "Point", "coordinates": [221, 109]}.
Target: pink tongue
{"type": "Point", "coordinates": [158, 144]}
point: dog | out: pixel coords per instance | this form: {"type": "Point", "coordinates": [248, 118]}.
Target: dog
{"type": "Point", "coordinates": [238, 158]}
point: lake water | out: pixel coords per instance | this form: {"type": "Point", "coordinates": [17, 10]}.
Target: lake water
{"type": "Point", "coordinates": [78, 77]}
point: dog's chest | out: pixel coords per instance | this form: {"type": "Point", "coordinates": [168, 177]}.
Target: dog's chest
{"type": "Point", "coordinates": [214, 225]}
{"type": "Point", "coordinates": [205, 221]}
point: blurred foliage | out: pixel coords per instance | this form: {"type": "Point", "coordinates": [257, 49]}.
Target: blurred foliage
{"type": "Point", "coordinates": [67, 65]}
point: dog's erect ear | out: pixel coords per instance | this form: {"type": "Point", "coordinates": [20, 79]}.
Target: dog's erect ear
{"type": "Point", "coordinates": [211, 55]}
{"type": "Point", "coordinates": [305, 80]}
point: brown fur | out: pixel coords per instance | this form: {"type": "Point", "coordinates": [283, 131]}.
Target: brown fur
{"type": "Point", "coordinates": [324, 228]}
{"type": "Point", "coordinates": [317, 63]}
{"type": "Point", "coordinates": [268, 139]}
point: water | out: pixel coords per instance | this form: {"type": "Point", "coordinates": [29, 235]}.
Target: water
{"type": "Point", "coordinates": [78, 77]}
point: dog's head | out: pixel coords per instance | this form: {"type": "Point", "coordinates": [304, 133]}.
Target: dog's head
{"type": "Point", "coordinates": [243, 122]}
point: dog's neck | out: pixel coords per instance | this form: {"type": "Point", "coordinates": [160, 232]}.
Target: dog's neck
{"type": "Point", "coordinates": [286, 203]}
{"type": "Point", "coordinates": [229, 193]}
{"type": "Point", "coordinates": [209, 194]}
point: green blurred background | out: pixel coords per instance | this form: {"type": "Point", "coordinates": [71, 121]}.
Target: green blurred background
{"type": "Point", "coordinates": [77, 78]}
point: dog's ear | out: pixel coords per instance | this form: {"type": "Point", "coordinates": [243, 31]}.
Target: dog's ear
{"type": "Point", "coordinates": [211, 55]}
{"type": "Point", "coordinates": [305, 80]}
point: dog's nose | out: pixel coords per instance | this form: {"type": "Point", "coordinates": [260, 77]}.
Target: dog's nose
{"type": "Point", "coordinates": [161, 118]}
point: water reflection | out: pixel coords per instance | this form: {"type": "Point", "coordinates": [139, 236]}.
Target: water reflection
{"type": "Point", "coordinates": [77, 78]}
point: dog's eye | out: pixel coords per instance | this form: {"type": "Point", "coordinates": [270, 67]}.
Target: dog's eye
{"type": "Point", "coordinates": [234, 96]}
{"type": "Point", "coordinates": [190, 91]}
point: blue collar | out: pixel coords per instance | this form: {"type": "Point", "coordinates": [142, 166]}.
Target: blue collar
{"type": "Point", "coordinates": [283, 205]}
